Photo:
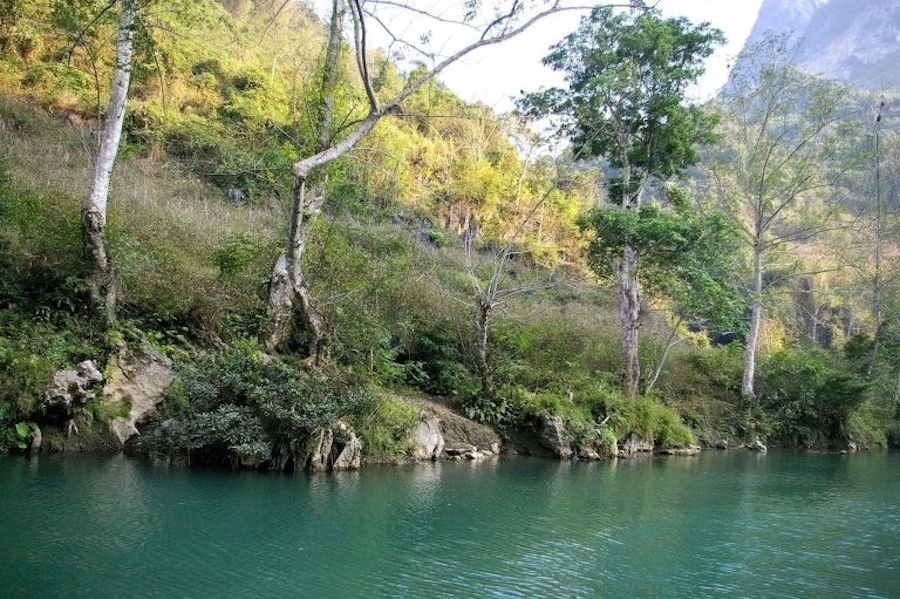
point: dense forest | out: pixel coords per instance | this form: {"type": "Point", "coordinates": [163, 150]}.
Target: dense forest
{"type": "Point", "coordinates": [313, 231]}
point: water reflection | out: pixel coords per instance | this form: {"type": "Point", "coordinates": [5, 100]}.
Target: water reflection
{"type": "Point", "coordinates": [728, 523]}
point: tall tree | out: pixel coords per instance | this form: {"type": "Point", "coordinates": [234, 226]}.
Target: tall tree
{"type": "Point", "coordinates": [507, 18]}
{"type": "Point", "coordinates": [101, 280]}
{"type": "Point", "coordinates": [626, 76]}
{"type": "Point", "coordinates": [780, 125]}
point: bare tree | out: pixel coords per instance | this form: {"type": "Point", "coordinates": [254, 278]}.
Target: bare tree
{"type": "Point", "coordinates": [100, 278]}
{"type": "Point", "coordinates": [782, 125]}
{"type": "Point", "coordinates": [492, 292]}
{"type": "Point", "coordinates": [289, 291]}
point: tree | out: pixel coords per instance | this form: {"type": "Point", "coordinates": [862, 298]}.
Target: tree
{"type": "Point", "coordinates": [288, 288]}
{"type": "Point", "coordinates": [686, 257]}
{"type": "Point", "coordinates": [626, 77]}
{"type": "Point", "coordinates": [100, 277]}
{"type": "Point", "coordinates": [493, 291]}
{"type": "Point", "coordinates": [782, 123]}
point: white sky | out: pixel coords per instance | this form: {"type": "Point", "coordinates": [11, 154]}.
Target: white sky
{"type": "Point", "coordinates": [496, 74]}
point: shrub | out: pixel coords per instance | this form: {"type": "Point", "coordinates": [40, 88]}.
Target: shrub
{"type": "Point", "coordinates": [385, 426]}
{"type": "Point", "coordinates": [651, 420]}
{"type": "Point", "coordinates": [808, 397]}
{"type": "Point", "coordinates": [235, 403]}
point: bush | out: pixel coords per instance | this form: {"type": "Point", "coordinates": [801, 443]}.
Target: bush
{"type": "Point", "coordinates": [385, 427]}
{"type": "Point", "coordinates": [652, 421]}
{"type": "Point", "coordinates": [808, 396]}
{"type": "Point", "coordinates": [233, 403]}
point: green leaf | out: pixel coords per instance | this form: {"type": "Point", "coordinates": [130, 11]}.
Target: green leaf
{"type": "Point", "coordinates": [22, 430]}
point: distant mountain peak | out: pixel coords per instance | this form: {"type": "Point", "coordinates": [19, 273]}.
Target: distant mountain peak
{"type": "Point", "coordinates": [855, 41]}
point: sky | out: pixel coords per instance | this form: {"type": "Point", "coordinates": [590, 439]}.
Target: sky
{"type": "Point", "coordinates": [496, 74]}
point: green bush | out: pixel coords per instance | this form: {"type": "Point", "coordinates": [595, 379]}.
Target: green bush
{"type": "Point", "coordinates": [653, 421]}
{"type": "Point", "coordinates": [235, 402]}
{"type": "Point", "coordinates": [808, 396]}
{"type": "Point", "coordinates": [385, 427]}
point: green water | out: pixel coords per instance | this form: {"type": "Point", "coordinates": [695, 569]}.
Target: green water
{"type": "Point", "coordinates": [725, 524]}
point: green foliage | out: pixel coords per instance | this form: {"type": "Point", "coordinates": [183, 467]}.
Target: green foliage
{"type": "Point", "coordinates": [686, 256]}
{"type": "Point", "coordinates": [385, 427]}
{"type": "Point", "coordinates": [31, 350]}
{"type": "Point", "coordinates": [808, 396]}
{"type": "Point", "coordinates": [626, 75]}
{"type": "Point", "coordinates": [651, 420]}
{"type": "Point", "coordinates": [237, 406]}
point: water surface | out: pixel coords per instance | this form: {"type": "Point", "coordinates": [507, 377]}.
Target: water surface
{"type": "Point", "coordinates": [725, 524]}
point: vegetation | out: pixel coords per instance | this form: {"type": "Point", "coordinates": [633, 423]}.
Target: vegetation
{"type": "Point", "coordinates": [442, 208]}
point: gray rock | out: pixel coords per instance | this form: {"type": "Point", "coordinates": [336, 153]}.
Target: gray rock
{"type": "Point", "coordinates": [459, 450]}
{"type": "Point", "coordinates": [756, 445]}
{"type": "Point", "coordinates": [588, 453]}
{"type": "Point", "coordinates": [555, 437]}
{"type": "Point", "coordinates": [427, 441]}
{"type": "Point", "coordinates": [69, 391]}
{"type": "Point", "coordinates": [318, 450]}
{"type": "Point", "coordinates": [682, 451]}
{"type": "Point", "coordinates": [350, 457]}
{"type": "Point", "coordinates": [721, 444]}
{"type": "Point", "coordinates": [635, 444]}
{"type": "Point", "coordinates": [139, 380]}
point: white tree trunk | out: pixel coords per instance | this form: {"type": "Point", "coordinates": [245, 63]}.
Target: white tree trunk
{"type": "Point", "coordinates": [93, 211]}
{"type": "Point", "coordinates": [748, 384]}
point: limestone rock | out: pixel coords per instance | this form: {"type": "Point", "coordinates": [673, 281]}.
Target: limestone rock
{"type": "Point", "coordinates": [427, 441]}
{"type": "Point", "coordinates": [350, 456]}
{"type": "Point", "coordinates": [318, 450]}
{"type": "Point", "coordinates": [721, 444]}
{"type": "Point", "coordinates": [756, 445]}
{"type": "Point", "coordinates": [682, 451]}
{"type": "Point", "coordinates": [69, 391]}
{"type": "Point", "coordinates": [588, 453]}
{"type": "Point", "coordinates": [635, 444]}
{"type": "Point", "coordinates": [555, 437]}
{"type": "Point", "coordinates": [139, 380]}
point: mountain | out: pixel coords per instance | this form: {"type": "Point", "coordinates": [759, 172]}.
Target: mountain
{"type": "Point", "coordinates": [855, 41]}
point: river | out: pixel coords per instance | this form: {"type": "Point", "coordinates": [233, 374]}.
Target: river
{"type": "Point", "coordinates": [724, 524]}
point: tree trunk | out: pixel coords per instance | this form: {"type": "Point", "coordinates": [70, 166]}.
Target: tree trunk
{"type": "Point", "coordinates": [288, 291]}
{"type": "Point", "coordinates": [626, 270]}
{"type": "Point", "coordinates": [748, 391]}
{"type": "Point", "coordinates": [99, 272]}
{"type": "Point", "coordinates": [484, 366]}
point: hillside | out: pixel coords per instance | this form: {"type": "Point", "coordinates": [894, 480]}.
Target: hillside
{"type": "Point", "coordinates": [442, 201]}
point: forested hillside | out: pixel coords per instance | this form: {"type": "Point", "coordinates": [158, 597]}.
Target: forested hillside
{"type": "Point", "coordinates": [449, 253]}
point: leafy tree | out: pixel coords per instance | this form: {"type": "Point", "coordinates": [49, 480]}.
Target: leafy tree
{"type": "Point", "coordinates": [626, 77]}
{"type": "Point", "coordinates": [783, 125]}
{"type": "Point", "coordinates": [686, 257]}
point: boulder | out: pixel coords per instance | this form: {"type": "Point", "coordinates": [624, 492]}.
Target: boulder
{"type": "Point", "coordinates": [635, 444]}
{"type": "Point", "coordinates": [68, 392]}
{"type": "Point", "coordinates": [756, 445]}
{"type": "Point", "coordinates": [317, 450]}
{"type": "Point", "coordinates": [139, 380]}
{"type": "Point", "coordinates": [427, 441]}
{"type": "Point", "coordinates": [588, 453]}
{"type": "Point", "coordinates": [350, 456]}
{"type": "Point", "coordinates": [555, 437]}
{"type": "Point", "coordinates": [721, 444]}
{"type": "Point", "coordinates": [682, 451]}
